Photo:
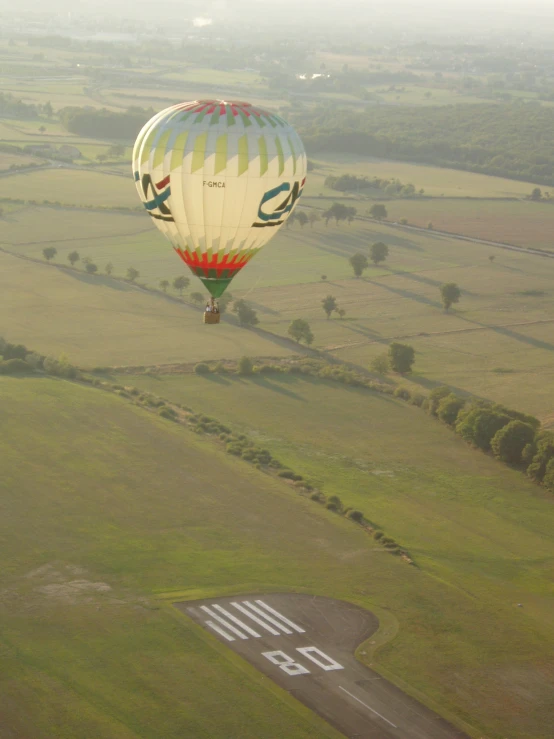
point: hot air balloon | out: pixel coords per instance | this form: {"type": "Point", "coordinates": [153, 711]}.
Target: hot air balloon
{"type": "Point", "coordinates": [218, 179]}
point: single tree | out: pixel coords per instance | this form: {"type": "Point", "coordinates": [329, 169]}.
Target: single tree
{"type": "Point", "coordinates": [245, 366]}
{"type": "Point", "coordinates": [380, 364]}
{"type": "Point", "coordinates": [450, 294]}
{"type": "Point", "coordinates": [341, 313]}
{"type": "Point", "coordinates": [117, 150]}
{"type": "Point", "coordinates": [449, 408]}
{"type": "Point", "coordinates": [197, 298]}
{"type": "Point", "coordinates": [379, 252]}
{"type": "Point", "coordinates": [544, 453]}
{"type": "Point", "coordinates": [329, 305]}
{"type": "Point", "coordinates": [313, 217]}
{"type": "Point", "coordinates": [401, 357]}
{"type": "Point", "coordinates": [536, 194]}
{"type": "Point", "coordinates": [300, 330]}
{"type": "Point", "coordinates": [509, 442]}
{"type": "Point", "coordinates": [359, 263]}
{"type": "Point", "coordinates": [378, 211]}
{"type": "Point", "coordinates": [91, 268]}
{"type": "Point", "coordinates": [323, 277]}
{"type": "Point", "coordinates": [491, 258]}
{"type": "Point", "coordinates": [246, 315]}
{"type": "Point", "coordinates": [42, 129]}
{"type": "Point", "coordinates": [164, 284]}
{"type": "Point", "coordinates": [180, 283]}
{"type": "Point", "coordinates": [73, 257]}
{"type": "Point", "coordinates": [350, 215]}
{"type": "Point", "coordinates": [108, 269]}
{"type": "Point", "coordinates": [302, 218]}
{"type": "Point", "coordinates": [339, 212]}
{"type": "Point", "coordinates": [479, 425]}
{"type": "Point", "coordinates": [132, 274]}
{"type": "Point", "coordinates": [49, 252]}
{"type": "Point", "coordinates": [430, 226]}
{"type": "Point", "coordinates": [548, 478]}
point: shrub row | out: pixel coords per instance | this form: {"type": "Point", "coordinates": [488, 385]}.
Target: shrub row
{"type": "Point", "coordinates": [513, 437]}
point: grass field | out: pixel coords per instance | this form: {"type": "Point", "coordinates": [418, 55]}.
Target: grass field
{"type": "Point", "coordinates": [100, 321]}
{"type": "Point", "coordinates": [7, 160]}
{"type": "Point", "coordinates": [126, 505]}
{"type": "Point", "coordinates": [497, 343]}
{"type": "Point", "coordinates": [523, 223]}
{"type": "Point", "coordinates": [436, 181]}
{"type": "Point", "coordinates": [70, 186]}
{"type": "Point", "coordinates": [478, 529]}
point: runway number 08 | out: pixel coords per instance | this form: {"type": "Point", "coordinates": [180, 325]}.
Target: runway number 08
{"type": "Point", "coordinates": [292, 668]}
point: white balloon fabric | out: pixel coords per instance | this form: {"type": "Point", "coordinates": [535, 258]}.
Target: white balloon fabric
{"type": "Point", "coordinates": [219, 179]}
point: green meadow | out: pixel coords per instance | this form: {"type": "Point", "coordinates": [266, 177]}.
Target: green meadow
{"type": "Point", "coordinates": [496, 342]}
{"type": "Point", "coordinates": [109, 513]}
{"type": "Point", "coordinates": [130, 504]}
{"type": "Point", "coordinates": [70, 186]}
{"type": "Point", "coordinates": [523, 223]}
{"type": "Point", "coordinates": [436, 181]}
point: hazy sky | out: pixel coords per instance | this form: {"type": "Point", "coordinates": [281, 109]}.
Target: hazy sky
{"type": "Point", "coordinates": [482, 16]}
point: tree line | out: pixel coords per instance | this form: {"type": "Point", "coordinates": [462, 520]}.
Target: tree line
{"type": "Point", "coordinates": [506, 139]}
{"type": "Point", "coordinates": [104, 123]}
{"type": "Point", "coordinates": [355, 183]}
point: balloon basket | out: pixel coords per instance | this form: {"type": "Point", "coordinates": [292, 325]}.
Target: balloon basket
{"type": "Point", "coordinates": [211, 317]}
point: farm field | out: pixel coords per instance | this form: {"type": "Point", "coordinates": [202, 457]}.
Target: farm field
{"type": "Point", "coordinates": [436, 181]}
{"type": "Point", "coordinates": [8, 160]}
{"type": "Point", "coordinates": [497, 343]}
{"type": "Point", "coordinates": [101, 321]}
{"type": "Point", "coordinates": [127, 502]}
{"type": "Point", "coordinates": [70, 186]}
{"type": "Point", "coordinates": [523, 223]}
{"type": "Point", "coordinates": [341, 439]}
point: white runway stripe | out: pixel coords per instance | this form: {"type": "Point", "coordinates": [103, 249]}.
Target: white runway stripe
{"type": "Point", "coordinates": [222, 633]}
{"type": "Point", "coordinates": [227, 625]}
{"type": "Point", "coordinates": [280, 616]}
{"type": "Point", "coordinates": [368, 707]}
{"type": "Point", "coordinates": [257, 620]}
{"type": "Point", "coordinates": [236, 620]}
{"type": "Point", "coordinates": [271, 620]}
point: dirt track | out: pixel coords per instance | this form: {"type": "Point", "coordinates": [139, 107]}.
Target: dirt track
{"type": "Point", "coordinates": [306, 645]}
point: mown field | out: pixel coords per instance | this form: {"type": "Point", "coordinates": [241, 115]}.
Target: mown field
{"type": "Point", "coordinates": [127, 505]}
{"type": "Point", "coordinates": [130, 505]}
{"type": "Point", "coordinates": [101, 321]}
{"type": "Point", "coordinates": [523, 223]}
{"type": "Point", "coordinates": [497, 342]}
{"type": "Point", "coordinates": [481, 531]}
{"type": "Point", "coordinates": [436, 181]}
{"type": "Point", "coordinates": [70, 186]}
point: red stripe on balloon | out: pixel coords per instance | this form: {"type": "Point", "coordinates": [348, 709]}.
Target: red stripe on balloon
{"type": "Point", "coordinates": [217, 263]}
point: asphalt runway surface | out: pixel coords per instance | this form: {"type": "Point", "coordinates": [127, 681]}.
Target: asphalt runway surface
{"type": "Point", "coordinates": [306, 645]}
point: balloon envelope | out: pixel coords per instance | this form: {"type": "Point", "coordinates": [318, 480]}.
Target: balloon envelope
{"type": "Point", "coordinates": [219, 179]}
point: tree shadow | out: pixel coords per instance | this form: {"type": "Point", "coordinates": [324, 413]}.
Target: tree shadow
{"type": "Point", "coordinates": [216, 378]}
{"type": "Point", "coordinates": [428, 384]}
{"type": "Point", "coordinates": [511, 334]}
{"type": "Point", "coordinates": [268, 385]}
{"type": "Point", "coordinates": [405, 293]}
{"type": "Point", "coordinates": [418, 277]}
{"type": "Point", "coordinates": [105, 281]}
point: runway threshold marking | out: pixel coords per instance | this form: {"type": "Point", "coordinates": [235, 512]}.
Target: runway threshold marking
{"type": "Point", "coordinates": [368, 707]}
{"type": "Point", "coordinates": [259, 613]}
